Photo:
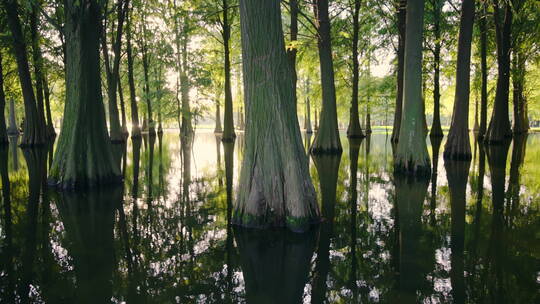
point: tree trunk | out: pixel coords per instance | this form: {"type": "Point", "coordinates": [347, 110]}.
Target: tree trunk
{"type": "Point", "coordinates": [412, 155]}
{"type": "Point", "coordinates": [34, 133]}
{"type": "Point", "coordinates": [292, 50]}
{"type": "Point", "coordinates": [436, 130]}
{"type": "Point", "coordinates": [145, 61]}
{"type": "Point", "coordinates": [276, 186]}
{"type": "Point", "coordinates": [484, 72]}
{"type": "Point", "coordinates": [187, 128]}
{"type": "Point", "coordinates": [3, 130]}
{"type": "Point", "coordinates": [521, 121]}
{"type": "Point", "coordinates": [37, 61]}
{"type": "Point", "coordinates": [401, 24]}
{"type": "Point", "coordinates": [12, 130]}
{"type": "Point", "coordinates": [125, 132]}
{"type": "Point", "coordinates": [327, 138]}
{"type": "Point", "coordinates": [458, 145]}
{"type": "Point", "coordinates": [499, 126]}
{"type": "Point", "coordinates": [51, 132]}
{"type": "Point", "coordinates": [218, 129]}
{"type": "Point", "coordinates": [355, 130]}
{"type": "Point", "coordinates": [83, 155]}
{"type": "Point", "coordinates": [228, 119]}
{"type": "Point", "coordinates": [135, 128]}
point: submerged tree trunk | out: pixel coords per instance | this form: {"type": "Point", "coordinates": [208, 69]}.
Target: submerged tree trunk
{"type": "Point", "coordinates": [3, 129]}
{"type": "Point", "coordinates": [135, 128]}
{"type": "Point", "coordinates": [34, 133]}
{"type": "Point", "coordinates": [228, 119]}
{"type": "Point", "coordinates": [484, 72]}
{"type": "Point", "coordinates": [83, 155]}
{"type": "Point", "coordinates": [412, 155]}
{"type": "Point", "coordinates": [355, 130]}
{"type": "Point", "coordinates": [458, 145]}
{"type": "Point", "coordinates": [499, 126]}
{"type": "Point", "coordinates": [401, 16]}
{"type": "Point", "coordinates": [276, 186]}
{"type": "Point", "coordinates": [327, 138]}
{"type": "Point", "coordinates": [436, 130]}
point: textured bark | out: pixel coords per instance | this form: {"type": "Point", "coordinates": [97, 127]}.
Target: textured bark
{"type": "Point", "coordinates": [135, 128]}
{"type": "Point", "coordinates": [228, 119]}
{"type": "Point", "coordinates": [3, 129]}
{"type": "Point", "coordinates": [37, 60]}
{"type": "Point", "coordinates": [12, 130]}
{"type": "Point", "coordinates": [484, 72]}
{"type": "Point", "coordinates": [327, 169]}
{"type": "Point", "coordinates": [83, 155]}
{"type": "Point", "coordinates": [355, 130]}
{"type": "Point", "coordinates": [125, 132]}
{"type": "Point", "coordinates": [458, 145]}
{"type": "Point", "coordinates": [276, 188]}
{"type": "Point", "coordinates": [412, 155]}
{"type": "Point", "coordinates": [499, 125]}
{"type": "Point", "coordinates": [401, 24]}
{"type": "Point", "coordinates": [327, 138]}
{"type": "Point", "coordinates": [307, 126]}
{"type": "Point", "coordinates": [457, 173]}
{"type": "Point", "coordinates": [275, 264]}
{"type": "Point", "coordinates": [436, 130]}
{"type": "Point", "coordinates": [146, 65]}
{"type": "Point", "coordinates": [291, 51]}
{"type": "Point", "coordinates": [33, 132]}
{"type": "Point", "coordinates": [187, 128]}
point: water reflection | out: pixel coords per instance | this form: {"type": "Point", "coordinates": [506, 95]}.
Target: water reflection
{"type": "Point", "coordinates": [165, 237]}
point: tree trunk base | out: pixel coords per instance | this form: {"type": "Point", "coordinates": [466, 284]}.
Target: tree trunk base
{"type": "Point", "coordinates": [329, 151]}
{"type": "Point", "coordinates": [411, 168]}
{"type": "Point", "coordinates": [436, 133]}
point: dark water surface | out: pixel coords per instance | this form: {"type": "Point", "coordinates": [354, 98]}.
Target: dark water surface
{"type": "Point", "coordinates": [469, 235]}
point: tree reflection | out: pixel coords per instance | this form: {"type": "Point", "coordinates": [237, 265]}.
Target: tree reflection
{"type": "Point", "coordinates": [327, 168]}
{"type": "Point", "coordinates": [7, 262]}
{"type": "Point", "coordinates": [354, 148]}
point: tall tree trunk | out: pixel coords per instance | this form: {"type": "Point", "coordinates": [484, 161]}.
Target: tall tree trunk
{"type": "Point", "coordinates": [308, 110]}
{"type": "Point", "coordinates": [135, 128]}
{"type": "Point", "coordinates": [401, 24]}
{"type": "Point", "coordinates": [412, 155]}
{"type": "Point", "coordinates": [521, 121]}
{"type": "Point", "coordinates": [436, 130]}
{"type": "Point", "coordinates": [355, 130]}
{"type": "Point", "coordinates": [13, 129]}
{"type": "Point", "coordinates": [228, 119]}
{"type": "Point", "coordinates": [368, 99]}
{"type": "Point", "coordinates": [187, 128]}
{"type": "Point", "coordinates": [34, 133]}
{"type": "Point", "coordinates": [146, 67]}
{"type": "Point", "coordinates": [458, 145]}
{"type": "Point", "coordinates": [484, 72]}
{"type": "Point", "coordinates": [83, 155]}
{"type": "Point", "coordinates": [327, 138]}
{"type": "Point", "coordinates": [292, 50]}
{"type": "Point", "coordinates": [499, 125]}
{"type": "Point", "coordinates": [51, 132]}
{"type": "Point", "coordinates": [37, 61]}
{"type": "Point", "coordinates": [113, 73]}
{"type": "Point", "coordinates": [277, 188]}
{"type": "Point", "coordinates": [3, 129]}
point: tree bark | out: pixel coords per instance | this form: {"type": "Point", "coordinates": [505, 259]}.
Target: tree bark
{"type": "Point", "coordinates": [292, 50]}
{"type": "Point", "coordinates": [218, 129]}
{"type": "Point", "coordinates": [83, 155]}
{"type": "Point", "coordinates": [327, 138]}
{"type": "Point", "coordinates": [355, 130]}
{"type": "Point", "coordinates": [135, 128]}
{"type": "Point", "coordinates": [401, 24]}
{"type": "Point", "coordinates": [412, 155]}
{"type": "Point", "coordinates": [125, 132]}
{"type": "Point", "coordinates": [37, 60]}
{"type": "Point", "coordinates": [499, 126]}
{"type": "Point", "coordinates": [187, 128]}
{"type": "Point", "coordinates": [521, 120]}
{"type": "Point", "coordinates": [145, 61]}
{"type": "Point", "coordinates": [51, 132]}
{"type": "Point", "coordinates": [12, 130]}
{"type": "Point", "coordinates": [276, 186]}
{"type": "Point", "coordinates": [228, 119]}
{"type": "Point", "coordinates": [458, 145]}
{"type": "Point", "coordinates": [436, 130]}
{"type": "Point", "coordinates": [34, 133]}
{"type": "Point", "coordinates": [3, 129]}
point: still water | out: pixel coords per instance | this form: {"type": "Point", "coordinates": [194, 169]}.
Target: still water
{"type": "Point", "coordinates": [468, 235]}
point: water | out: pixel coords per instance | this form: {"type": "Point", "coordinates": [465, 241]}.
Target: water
{"type": "Point", "coordinates": [470, 235]}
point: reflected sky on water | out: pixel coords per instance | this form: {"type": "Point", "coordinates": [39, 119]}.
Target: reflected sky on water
{"type": "Point", "coordinates": [467, 235]}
